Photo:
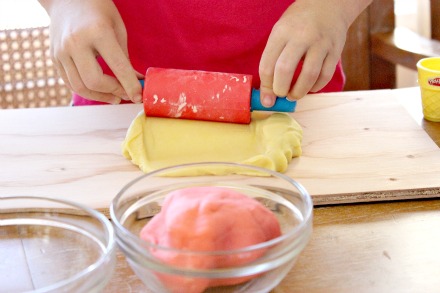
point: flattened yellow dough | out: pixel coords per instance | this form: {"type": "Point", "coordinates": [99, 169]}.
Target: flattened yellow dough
{"type": "Point", "coordinates": [269, 141]}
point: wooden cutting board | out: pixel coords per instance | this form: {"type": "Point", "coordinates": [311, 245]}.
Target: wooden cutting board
{"type": "Point", "coordinates": [364, 146]}
{"type": "Point", "coordinates": [358, 146]}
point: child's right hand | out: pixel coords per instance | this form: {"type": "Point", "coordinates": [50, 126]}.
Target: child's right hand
{"type": "Point", "coordinates": [79, 32]}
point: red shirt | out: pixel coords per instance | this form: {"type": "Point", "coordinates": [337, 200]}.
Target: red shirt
{"type": "Point", "coordinates": [222, 35]}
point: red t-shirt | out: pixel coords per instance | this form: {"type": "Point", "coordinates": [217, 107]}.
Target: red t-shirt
{"type": "Point", "coordinates": [222, 35]}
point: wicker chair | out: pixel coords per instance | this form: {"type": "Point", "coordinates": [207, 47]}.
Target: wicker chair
{"type": "Point", "coordinates": [28, 78]}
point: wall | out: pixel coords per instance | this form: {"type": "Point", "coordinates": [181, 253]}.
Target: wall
{"type": "Point", "coordinates": [414, 15]}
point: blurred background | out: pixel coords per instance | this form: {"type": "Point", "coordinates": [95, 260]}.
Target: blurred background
{"type": "Point", "coordinates": [412, 14]}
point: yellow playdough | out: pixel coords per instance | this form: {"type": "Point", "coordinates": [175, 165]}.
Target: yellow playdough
{"type": "Point", "coordinates": [269, 141]}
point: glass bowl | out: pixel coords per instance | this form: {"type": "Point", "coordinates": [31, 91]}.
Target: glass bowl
{"type": "Point", "coordinates": [52, 245]}
{"type": "Point", "coordinates": [141, 199]}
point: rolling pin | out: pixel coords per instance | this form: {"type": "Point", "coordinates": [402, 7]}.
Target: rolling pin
{"type": "Point", "coordinates": [204, 95]}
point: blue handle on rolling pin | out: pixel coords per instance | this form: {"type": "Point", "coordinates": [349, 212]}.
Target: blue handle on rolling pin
{"type": "Point", "coordinates": [281, 104]}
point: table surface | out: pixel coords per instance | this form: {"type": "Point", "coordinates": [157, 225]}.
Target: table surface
{"type": "Point", "coordinates": [366, 247]}
{"type": "Point", "coordinates": [370, 247]}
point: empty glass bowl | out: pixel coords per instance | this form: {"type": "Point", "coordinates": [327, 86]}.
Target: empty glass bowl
{"type": "Point", "coordinates": [136, 204]}
{"type": "Point", "coordinates": [52, 245]}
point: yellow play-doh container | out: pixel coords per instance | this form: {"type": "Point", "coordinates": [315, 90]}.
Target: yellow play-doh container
{"type": "Point", "coordinates": [429, 81]}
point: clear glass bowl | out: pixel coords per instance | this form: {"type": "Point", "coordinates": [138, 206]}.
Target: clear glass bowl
{"type": "Point", "coordinates": [141, 199]}
{"type": "Point", "coordinates": [52, 245]}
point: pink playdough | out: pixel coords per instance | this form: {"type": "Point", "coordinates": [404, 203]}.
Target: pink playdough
{"type": "Point", "coordinates": [208, 219]}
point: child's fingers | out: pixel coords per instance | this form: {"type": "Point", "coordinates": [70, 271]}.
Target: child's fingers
{"type": "Point", "coordinates": [309, 74]}
{"type": "Point", "coordinates": [93, 78]}
{"type": "Point", "coordinates": [267, 97]}
{"type": "Point", "coordinates": [75, 81]}
{"type": "Point", "coordinates": [118, 62]}
{"type": "Point", "coordinates": [272, 51]}
{"type": "Point", "coordinates": [327, 72]}
{"type": "Point", "coordinates": [285, 68]}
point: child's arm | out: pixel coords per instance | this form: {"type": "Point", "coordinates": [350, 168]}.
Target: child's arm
{"type": "Point", "coordinates": [314, 30]}
{"type": "Point", "coordinates": [82, 30]}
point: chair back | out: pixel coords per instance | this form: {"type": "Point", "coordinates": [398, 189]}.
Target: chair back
{"type": "Point", "coordinates": [374, 47]}
{"type": "Point", "coordinates": [28, 78]}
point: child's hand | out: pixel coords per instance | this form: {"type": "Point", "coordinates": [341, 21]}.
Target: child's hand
{"type": "Point", "coordinates": [310, 30]}
{"type": "Point", "coordinates": [82, 30]}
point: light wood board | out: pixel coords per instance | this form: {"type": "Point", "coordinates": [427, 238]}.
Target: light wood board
{"type": "Point", "coordinates": [357, 147]}
{"type": "Point", "coordinates": [364, 146]}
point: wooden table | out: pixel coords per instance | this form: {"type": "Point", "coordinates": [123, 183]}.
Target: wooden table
{"type": "Point", "coordinates": [363, 247]}
{"type": "Point", "coordinates": [370, 247]}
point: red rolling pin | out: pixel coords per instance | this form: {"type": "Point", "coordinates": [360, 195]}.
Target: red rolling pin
{"type": "Point", "coordinates": [204, 95]}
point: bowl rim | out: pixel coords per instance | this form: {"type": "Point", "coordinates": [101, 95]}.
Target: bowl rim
{"type": "Point", "coordinates": [109, 250]}
{"type": "Point", "coordinates": [308, 202]}
{"type": "Point", "coordinates": [421, 63]}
